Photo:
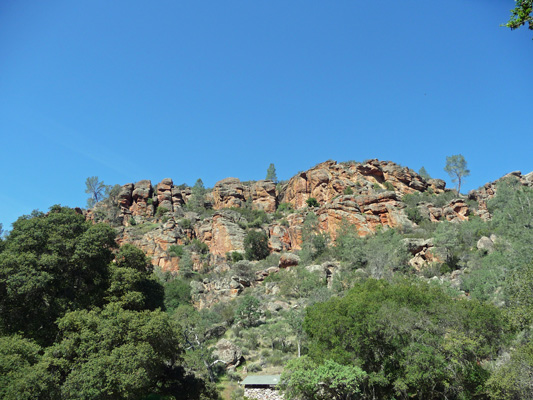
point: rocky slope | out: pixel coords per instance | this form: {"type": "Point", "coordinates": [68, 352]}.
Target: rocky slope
{"type": "Point", "coordinates": [368, 195]}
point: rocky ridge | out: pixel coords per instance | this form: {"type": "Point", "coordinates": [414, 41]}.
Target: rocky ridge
{"type": "Point", "coordinates": [367, 195]}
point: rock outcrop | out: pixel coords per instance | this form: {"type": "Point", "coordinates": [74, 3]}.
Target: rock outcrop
{"type": "Point", "coordinates": [328, 180]}
{"type": "Point", "coordinates": [366, 195]}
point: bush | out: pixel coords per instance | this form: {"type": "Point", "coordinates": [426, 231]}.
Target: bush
{"type": "Point", "coordinates": [348, 191]}
{"type": "Point", "coordinates": [285, 207]}
{"type": "Point", "coordinates": [160, 211]}
{"type": "Point", "coordinates": [198, 247]}
{"type": "Point", "coordinates": [312, 202]}
{"type": "Point", "coordinates": [176, 250]}
{"type": "Point", "coordinates": [132, 221]}
{"type": "Point", "coordinates": [256, 245]}
{"type": "Point", "coordinates": [185, 223]}
{"type": "Point", "coordinates": [413, 213]}
{"type": "Point", "coordinates": [236, 256]}
{"type": "Point", "coordinates": [388, 186]}
{"type": "Point", "coordinates": [177, 292]}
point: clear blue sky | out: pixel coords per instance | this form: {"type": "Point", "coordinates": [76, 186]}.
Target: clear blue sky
{"type": "Point", "coordinates": [131, 90]}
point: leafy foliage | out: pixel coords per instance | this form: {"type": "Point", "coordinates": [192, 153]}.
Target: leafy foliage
{"type": "Point", "coordinates": [312, 202]}
{"type": "Point", "coordinates": [52, 264]}
{"type": "Point", "coordinates": [424, 174]}
{"type": "Point", "coordinates": [456, 168]}
{"type": "Point", "coordinates": [522, 14]}
{"type": "Point", "coordinates": [410, 338]}
{"type": "Point", "coordinates": [271, 173]}
{"type": "Point", "coordinates": [96, 190]}
{"type": "Point", "coordinates": [197, 199]}
{"type": "Point", "coordinates": [303, 378]}
{"type": "Point", "coordinates": [256, 245]}
{"type": "Point", "coordinates": [247, 312]}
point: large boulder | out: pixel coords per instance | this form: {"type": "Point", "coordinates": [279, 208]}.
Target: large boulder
{"type": "Point", "coordinates": [229, 192]}
{"type": "Point", "coordinates": [264, 196]}
{"type": "Point", "coordinates": [288, 260]}
{"type": "Point", "coordinates": [229, 353]}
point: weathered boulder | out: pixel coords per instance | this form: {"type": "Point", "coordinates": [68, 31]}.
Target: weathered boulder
{"type": "Point", "coordinates": [264, 196]}
{"type": "Point", "coordinates": [164, 194]}
{"type": "Point", "coordinates": [229, 192]}
{"type": "Point", "coordinates": [288, 260]}
{"type": "Point", "coordinates": [414, 245]}
{"type": "Point", "coordinates": [229, 353]}
{"type": "Point", "coordinates": [142, 192]}
{"type": "Point", "coordinates": [222, 232]}
{"type": "Point", "coordinates": [485, 244]}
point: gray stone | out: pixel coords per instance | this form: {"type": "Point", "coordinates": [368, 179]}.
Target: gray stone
{"type": "Point", "coordinates": [485, 244]}
{"type": "Point", "coordinates": [228, 352]}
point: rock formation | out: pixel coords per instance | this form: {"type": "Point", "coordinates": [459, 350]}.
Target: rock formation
{"type": "Point", "coordinates": [367, 195]}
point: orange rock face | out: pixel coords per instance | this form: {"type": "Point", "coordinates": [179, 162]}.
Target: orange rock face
{"type": "Point", "coordinates": [328, 180]}
{"type": "Point", "coordinates": [366, 213]}
{"type": "Point", "coordinates": [263, 195]}
{"type": "Point", "coordinates": [228, 193]}
{"type": "Point", "coordinates": [222, 233]}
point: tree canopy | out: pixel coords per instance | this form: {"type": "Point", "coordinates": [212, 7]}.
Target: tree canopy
{"type": "Point", "coordinates": [456, 168]}
{"type": "Point", "coordinates": [52, 263]}
{"type": "Point", "coordinates": [78, 321]}
{"type": "Point", "coordinates": [412, 339]}
{"type": "Point", "coordinates": [522, 14]}
{"type": "Point", "coordinates": [96, 189]}
{"type": "Point", "coordinates": [271, 173]}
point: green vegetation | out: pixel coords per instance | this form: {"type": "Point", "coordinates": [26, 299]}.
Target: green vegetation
{"type": "Point", "coordinates": [312, 202]}
{"type": "Point", "coordinates": [411, 339]}
{"type": "Point", "coordinates": [355, 319]}
{"type": "Point", "coordinates": [197, 201]}
{"type": "Point", "coordinates": [522, 14]}
{"type": "Point", "coordinates": [271, 173]}
{"type": "Point", "coordinates": [75, 325]}
{"type": "Point", "coordinates": [456, 168]}
{"type": "Point", "coordinates": [256, 245]}
{"type": "Point", "coordinates": [96, 190]}
{"type": "Point", "coordinates": [424, 174]}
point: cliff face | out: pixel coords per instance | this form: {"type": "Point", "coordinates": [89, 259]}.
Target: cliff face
{"type": "Point", "coordinates": [329, 179]}
{"type": "Point", "coordinates": [367, 195]}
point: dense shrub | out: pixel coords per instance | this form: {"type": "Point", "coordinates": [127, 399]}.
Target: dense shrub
{"type": "Point", "coordinates": [312, 202]}
{"type": "Point", "coordinates": [256, 245]}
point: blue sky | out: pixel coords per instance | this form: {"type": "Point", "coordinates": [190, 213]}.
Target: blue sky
{"type": "Point", "coordinates": [131, 90]}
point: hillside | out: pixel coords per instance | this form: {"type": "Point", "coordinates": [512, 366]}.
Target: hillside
{"type": "Point", "coordinates": [365, 269]}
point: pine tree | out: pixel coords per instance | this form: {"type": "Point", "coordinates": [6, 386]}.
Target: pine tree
{"type": "Point", "coordinates": [271, 173]}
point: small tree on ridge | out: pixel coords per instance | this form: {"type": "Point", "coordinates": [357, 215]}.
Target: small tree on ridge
{"type": "Point", "coordinates": [456, 168]}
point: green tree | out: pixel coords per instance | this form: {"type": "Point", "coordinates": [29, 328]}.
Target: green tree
{"type": "Point", "coordinates": [312, 202]}
{"type": "Point", "coordinates": [247, 312]}
{"type": "Point", "coordinates": [1, 238]}
{"type": "Point", "coordinates": [522, 14]}
{"type": "Point", "coordinates": [256, 245]}
{"type": "Point", "coordinates": [199, 333]}
{"type": "Point", "coordinates": [177, 292]}
{"type": "Point", "coordinates": [271, 173]}
{"type": "Point", "coordinates": [52, 264]}
{"type": "Point", "coordinates": [114, 353]}
{"type": "Point", "coordinates": [96, 190]}
{"type": "Point", "coordinates": [23, 375]}
{"type": "Point", "coordinates": [513, 379]}
{"type": "Point", "coordinates": [412, 339]}
{"type": "Point", "coordinates": [303, 378]}
{"type": "Point", "coordinates": [197, 199]}
{"type": "Point", "coordinates": [132, 285]}
{"type": "Point", "coordinates": [423, 173]}
{"type": "Point", "coordinates": [295, 319]}
{"type": "Point", "coordinates": [456, 168]}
